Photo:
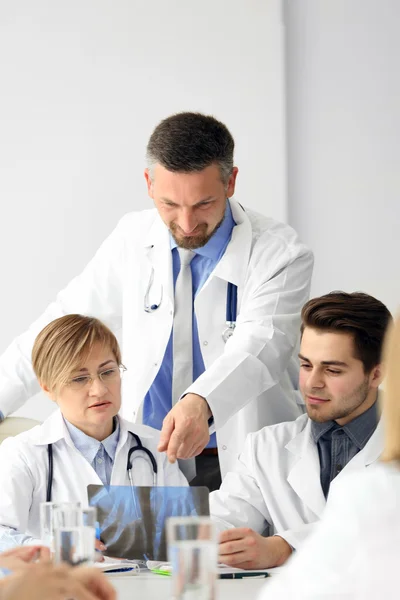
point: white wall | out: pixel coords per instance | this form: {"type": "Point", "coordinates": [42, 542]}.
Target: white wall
{"type": "Point", "coordinates": [83, 83]}
{"type": "Point", "coordinates": [343, 93]}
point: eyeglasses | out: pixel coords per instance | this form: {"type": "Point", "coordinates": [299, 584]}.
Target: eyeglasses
{"type": "Point", "coordinates": [107, 377]}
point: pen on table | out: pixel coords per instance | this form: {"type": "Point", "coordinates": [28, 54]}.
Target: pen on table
{"type": "Point", "coordinates": [120, 570]}
{"type": "Point", "coordinates": [259, 574]}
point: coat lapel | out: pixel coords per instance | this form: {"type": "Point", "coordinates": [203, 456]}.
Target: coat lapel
{"type": "Point", "coordinates": [304, 477]}
{"type": "Point", "coordinates": [369, 454]}
{"type": "Point", "coordinates": [233, 265]}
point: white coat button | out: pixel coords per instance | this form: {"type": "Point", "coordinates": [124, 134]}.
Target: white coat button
{"type": "Point", "coordinates": [205, 343]}
{"type": "Point", "coordinates": [223, 447]}
{"type": "Point", "coordinates": [156, 364]}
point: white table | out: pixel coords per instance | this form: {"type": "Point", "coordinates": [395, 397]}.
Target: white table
{"type": "Point", "coordinates": [157, 587]}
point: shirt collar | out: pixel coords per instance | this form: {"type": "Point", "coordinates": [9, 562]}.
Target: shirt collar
{"type": "Point", "coordinates": [216, 245]}
{"type": "Point", "coordinates": [89, 446]}
{"type": "Point", "coordinates": [359, 430]}
{"type": "Point", "coordinates": [362, 427]}
{"type": "Point", "coordinates": [320, 429]}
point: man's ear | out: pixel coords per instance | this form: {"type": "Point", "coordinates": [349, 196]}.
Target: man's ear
{"type": "Point", "coordinates": [230, 188]}
{"type": "Point", "coordinates": [376, 375]}
{"type": "Point", "coordinates": [149, 182]}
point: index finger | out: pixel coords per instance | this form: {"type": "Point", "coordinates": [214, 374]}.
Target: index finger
{"type": "Point", "coordinates": [236, 533]}
{"type": "Point", "coordinates": [166, 432]}
{"type": "Point", "coordinates": [175, 442]}
{"type": "Point", "coordinates": [23, 552]}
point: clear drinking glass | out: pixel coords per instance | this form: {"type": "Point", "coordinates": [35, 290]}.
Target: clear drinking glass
{"type": "Point", "coordinates": [193, 554]}
{"type": "Point", "coordinates": [74, 535]}
{"type": "Point", "coordinates": [89, 523]}
{"type": "Point", "coordinates": [47, 520]}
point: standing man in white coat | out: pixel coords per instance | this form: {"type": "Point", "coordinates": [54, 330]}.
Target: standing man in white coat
{"type": "Point", "coordinates": [178, 281]}
{"type": "Point", "coordinates": [283, 477]}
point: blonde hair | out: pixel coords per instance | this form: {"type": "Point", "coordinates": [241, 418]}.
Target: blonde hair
{"type": "Point", "coordinates": [62, 346]}
{"type": "Point", "coordinates": [391, 394]}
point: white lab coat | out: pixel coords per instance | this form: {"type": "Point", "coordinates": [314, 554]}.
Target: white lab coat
{"type": "Point", "coordinates": [257, 367]}
{"type": "Point", "coordinates": [275, 487]}
{"type": "Point", "coordinates": [353, 553]}
{"type": "Point", "coordinates": [24, 470]}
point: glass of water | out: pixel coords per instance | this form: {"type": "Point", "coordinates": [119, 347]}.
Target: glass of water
{"type": "Point", "coordinates": [47, 520]}
{"type": "Point", "coordinates": [74, 535]}
{"type": "Point", "coordinates": [193, 554]}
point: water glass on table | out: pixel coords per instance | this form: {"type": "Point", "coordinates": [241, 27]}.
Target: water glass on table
{"type": "Point", "coordinates": [75, 535]}
{"type": "Point", "coordinates": [193, 554]}
{"type": "Point", "coordinates": [46, 517]}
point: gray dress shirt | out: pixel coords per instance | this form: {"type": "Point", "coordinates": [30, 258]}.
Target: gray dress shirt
{"type": "Point", "coordinates": [337, 445]}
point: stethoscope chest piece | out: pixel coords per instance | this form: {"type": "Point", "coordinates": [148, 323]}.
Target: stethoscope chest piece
{"type": "Point", "coordinates": [228, 332]}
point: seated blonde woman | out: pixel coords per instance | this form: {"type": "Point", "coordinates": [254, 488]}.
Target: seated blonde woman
{"type": "Point", "coordinates": [354, 551]}
{"type": "Point", "coordinates": [78, 364]}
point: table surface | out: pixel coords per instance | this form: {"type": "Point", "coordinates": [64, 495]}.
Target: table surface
{"type": "Point", "coordinates": [157, 587]}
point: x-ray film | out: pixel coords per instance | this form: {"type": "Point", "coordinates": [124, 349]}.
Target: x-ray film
{"type": "Point", "coordinates": [132, 519]}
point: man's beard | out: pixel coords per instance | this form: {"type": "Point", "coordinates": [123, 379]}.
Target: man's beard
{"type": "Point", "coordinates": [192, 242]}
{"type": "Point", "coordinates": [349, 405]}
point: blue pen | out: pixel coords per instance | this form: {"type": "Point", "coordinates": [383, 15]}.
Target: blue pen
{"type": "Point", "coordinates": [239, 575]}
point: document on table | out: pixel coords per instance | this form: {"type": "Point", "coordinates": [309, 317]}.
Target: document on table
{"type": "Point", "coordinates": [115, 565]}
{"type": "Point", "coordinates": [165, 567]}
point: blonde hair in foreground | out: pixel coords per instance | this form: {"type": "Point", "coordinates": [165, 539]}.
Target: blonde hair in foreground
{"type": "Point", "coordinates": [64, 344]}
{"type": "Point", "coordinates": [391, 395]}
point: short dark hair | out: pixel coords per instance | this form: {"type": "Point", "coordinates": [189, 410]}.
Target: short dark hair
{"type": "Point", "coordinates": [189, 142]}
{"type": "Point", "coordinates": [359, 314]}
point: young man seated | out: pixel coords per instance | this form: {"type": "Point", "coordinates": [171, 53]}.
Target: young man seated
{"type": "Point", "coordinates": [78, 364]}
{"type": "Point", "coordinates": [267, 506]}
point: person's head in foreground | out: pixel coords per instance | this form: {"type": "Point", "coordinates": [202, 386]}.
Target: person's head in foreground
{"type": "Point", "coordinates": [353, 553]}
{"type": "Point", "coordinates": [190, 174]}
{"type": "Point", "coordinates": [391, 396]}
{"type": "Point", "coordinates": [340, 355]}
{"type": "Point", "coordinates": [77, 361]}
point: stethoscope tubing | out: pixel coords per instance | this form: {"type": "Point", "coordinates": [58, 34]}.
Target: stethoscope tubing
{"type": "Point", "coordinates": [231, 303]}
{"type": "Point", "coordinates": [139, 446]}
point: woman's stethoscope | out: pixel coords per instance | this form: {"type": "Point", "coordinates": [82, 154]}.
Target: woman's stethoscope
{"type": "Point", "coordinates": [139, 447]}
{"type": "Point", "coordinates": [231, 306]}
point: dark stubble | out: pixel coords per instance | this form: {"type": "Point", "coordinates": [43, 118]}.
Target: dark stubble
{"type": "Point", "coordinates": [194, 241]}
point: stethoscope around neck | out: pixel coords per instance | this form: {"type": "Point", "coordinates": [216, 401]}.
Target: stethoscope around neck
{"type": "Point", "coordinates": [138, 448]}
{"type": "Point", "coordinates": [231, 305]}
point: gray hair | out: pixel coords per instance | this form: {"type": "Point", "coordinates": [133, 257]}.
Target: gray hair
{"type": "Point", "coordinates": [188, 143]}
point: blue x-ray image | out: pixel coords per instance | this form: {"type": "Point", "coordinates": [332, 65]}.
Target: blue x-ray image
{"type": "Point", "coordinates": [132, 519]}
